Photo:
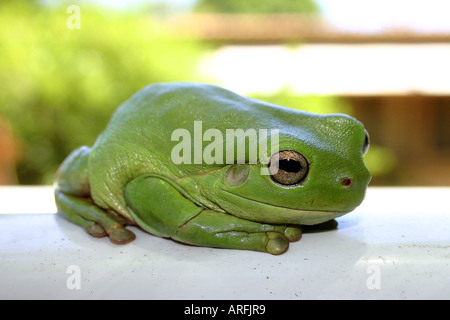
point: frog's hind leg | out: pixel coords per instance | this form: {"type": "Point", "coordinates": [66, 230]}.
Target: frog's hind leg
{"type": "Point", "coordinates": [93, 219]}
{"type": "Point", "coordinates": [69, 207]}
{"type": "Point", "coordinates": [72, 197]}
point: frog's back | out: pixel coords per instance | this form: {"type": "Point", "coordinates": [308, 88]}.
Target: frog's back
{"type": "Point", "coordinates": [168, 106]}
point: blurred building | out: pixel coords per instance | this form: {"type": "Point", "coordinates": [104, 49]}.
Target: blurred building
{"type": "Point", "coordinates": [396, 80]}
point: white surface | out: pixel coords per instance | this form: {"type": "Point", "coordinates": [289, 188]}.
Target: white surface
{"type": "Point", "coordinates": [396, 245]}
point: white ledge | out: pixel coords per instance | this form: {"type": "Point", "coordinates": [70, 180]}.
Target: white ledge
{"type": "Point", "coordinates": [396, 245]}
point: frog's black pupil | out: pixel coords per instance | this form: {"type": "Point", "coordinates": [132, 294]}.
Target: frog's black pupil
{"type": "Point", "coordinates": [290, 165]}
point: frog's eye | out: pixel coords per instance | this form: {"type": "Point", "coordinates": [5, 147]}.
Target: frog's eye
{"type": "Point", "coordinates": [366, 143]}
{"type": "Point", "coordinates": [288, 167]}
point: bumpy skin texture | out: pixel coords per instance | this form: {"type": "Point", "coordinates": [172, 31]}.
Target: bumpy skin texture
{"type": "Point", "coordinates": [128, 176]}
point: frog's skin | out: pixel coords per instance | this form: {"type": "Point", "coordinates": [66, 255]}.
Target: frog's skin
{"type": "Point", "coordinates": [128, 177]}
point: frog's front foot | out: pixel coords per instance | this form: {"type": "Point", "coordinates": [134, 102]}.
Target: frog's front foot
{"type": "Point", "coordinates": [211, 228]}
{"type": "Point", "coordinates": [96, 221]}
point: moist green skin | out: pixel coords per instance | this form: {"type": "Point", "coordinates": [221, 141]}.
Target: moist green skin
{"type": "Point", "coordinates": [128, 176]}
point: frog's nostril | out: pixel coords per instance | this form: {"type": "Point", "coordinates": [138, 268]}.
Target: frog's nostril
{"type": "Point", "coordinates": [347, 182]}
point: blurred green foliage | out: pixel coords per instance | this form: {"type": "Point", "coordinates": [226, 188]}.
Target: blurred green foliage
{"type": "Point", "coordinates": [59, 86]}
{"type": "Point", "coordinates": [257, 6]}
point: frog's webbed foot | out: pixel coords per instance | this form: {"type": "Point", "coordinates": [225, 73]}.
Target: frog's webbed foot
{"type": "Point", "coordinates": [96, 221]}
{"type": "Point", "coordinates": [161, 208]}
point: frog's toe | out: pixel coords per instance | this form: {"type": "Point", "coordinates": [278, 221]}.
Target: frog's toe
{"type": "Point", "coordinates": [293, 233]}
{"type": "Point", "coordinates": [96, 230]}
{"type": "Point", "coordinates": [121, 235]}
{"type": "Point", "coordinates": [277, 243]}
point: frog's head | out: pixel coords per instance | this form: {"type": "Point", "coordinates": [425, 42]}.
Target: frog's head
{"type": "Point", "coordinates": [318, 174]}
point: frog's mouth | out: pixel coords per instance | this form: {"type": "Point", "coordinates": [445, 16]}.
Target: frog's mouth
{"type": "Point", "coordinates": [261, 211]}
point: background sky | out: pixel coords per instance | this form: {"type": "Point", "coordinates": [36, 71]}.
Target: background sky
{"type": "Point", "coordinates": [375, 15]}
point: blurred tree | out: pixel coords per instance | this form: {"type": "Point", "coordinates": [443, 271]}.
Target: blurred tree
{"type": "Point", "coordinates": [59, 86]}
{"type": "Point", "coordinates": [257, 6]}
